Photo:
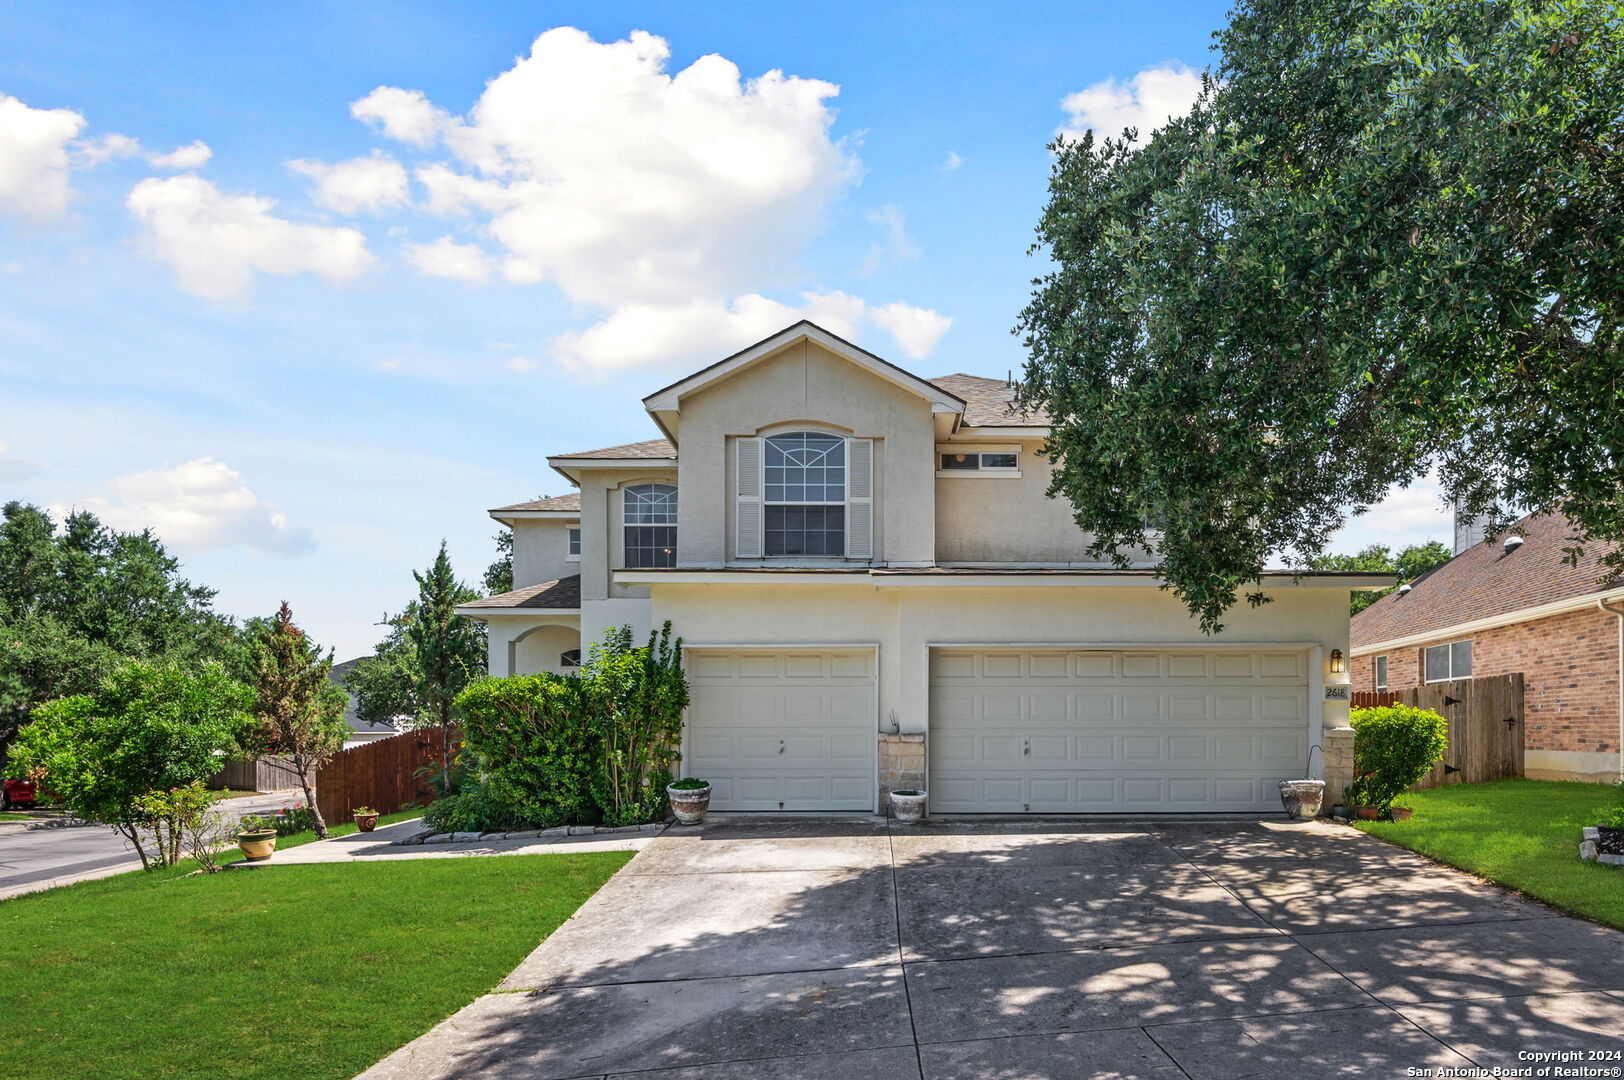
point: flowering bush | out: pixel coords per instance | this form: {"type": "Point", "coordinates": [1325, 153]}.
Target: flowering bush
{"type": "Point", "coordinates": [294, 819]}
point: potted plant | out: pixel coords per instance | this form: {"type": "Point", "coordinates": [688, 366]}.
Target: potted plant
{"type": "Point", "coordinates": [689, 798]}
{"type": "Point", "coordinates": [1302, 798]}
{"type": "Point", "coordinates": [1401, 813]}
{"type": "Point", "coordinates": [257, 838]}
{"type": "Point", "coordinates": [908, 805]}
{"type": "Point", "coordinates": [366, 818]}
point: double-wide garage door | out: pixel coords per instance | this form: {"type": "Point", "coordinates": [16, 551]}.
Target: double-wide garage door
{"type": "Point", "coordinates": [790, 729]}
{"type": "Point", "coordinates": [1083, 731]}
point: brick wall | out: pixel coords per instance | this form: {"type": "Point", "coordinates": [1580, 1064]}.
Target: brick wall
{"type": "Point", "coordinates": [1570, 676]}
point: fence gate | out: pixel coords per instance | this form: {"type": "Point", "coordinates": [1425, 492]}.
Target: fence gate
{"type": "Point", "coordinates": [1485, 727]}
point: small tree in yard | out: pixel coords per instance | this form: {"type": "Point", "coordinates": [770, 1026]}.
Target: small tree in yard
{"type": "Point", "coordinates": [637, 696]}
{"type": "Point", "coordinates": [1393, 747]}
{"type": "Point", "coordinates": [450, 650]}
{"type": "Point", "coordinates": [149, 728]}
{"type": "Point", "coordinates": [300, 713]}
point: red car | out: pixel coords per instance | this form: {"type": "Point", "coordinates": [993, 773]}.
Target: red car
{"type": "Point", "coordinates": [18, 793]}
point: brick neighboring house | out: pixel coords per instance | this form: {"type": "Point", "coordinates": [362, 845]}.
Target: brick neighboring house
{"type": "Point", "coordinates": [1501, 607]}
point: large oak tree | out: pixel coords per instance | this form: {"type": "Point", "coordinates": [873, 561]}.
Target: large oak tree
{"type": "Point", "coordinates": [1388, 238]}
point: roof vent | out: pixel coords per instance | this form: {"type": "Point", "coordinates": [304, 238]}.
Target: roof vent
{"type": "Point", "coordinates": [1404, 588]}
{"type": "Point", "coordinates": [1512, 543]}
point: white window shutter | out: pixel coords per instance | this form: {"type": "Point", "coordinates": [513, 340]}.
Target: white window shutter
{"type": "Point", "coordinates": [747, 519]}
{"type": "Point", "coordinates": [860, 498]}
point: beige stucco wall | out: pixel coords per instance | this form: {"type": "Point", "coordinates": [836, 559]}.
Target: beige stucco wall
{"type": "Point", "coordinates": [522, 644]}
{"type": "Point", "coordinates": [991, 518]}
{"type": "Point", "coordinates": [904, 620]}
{"type": "Point", "coordinates": [540, 551]}
{"type": "Point", "coordinates": [602, 526]}
{"type": "Point", "coordinates": [540, 649]}
{"type": "Point", "coordinates": [804, 383]}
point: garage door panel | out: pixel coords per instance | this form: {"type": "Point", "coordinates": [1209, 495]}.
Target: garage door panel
{"type": "Point", "coordinates": [1145, 730]}
{"type": "Point", "coordinates": [789, 729]}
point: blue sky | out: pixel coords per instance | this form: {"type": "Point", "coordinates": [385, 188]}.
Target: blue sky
{"type": "Point", "coordinates": [359, 318]}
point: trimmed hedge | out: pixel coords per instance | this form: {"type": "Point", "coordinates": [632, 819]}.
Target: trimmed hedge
{"type": "Point", "coordinates": [1393, 747]}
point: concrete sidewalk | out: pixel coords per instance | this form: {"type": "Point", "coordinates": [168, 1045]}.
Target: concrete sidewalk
{"type": "Point", "coordinates": [379, 845]}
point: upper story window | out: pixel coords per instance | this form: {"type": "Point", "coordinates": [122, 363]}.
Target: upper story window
{"type": "Point", "coordinates": [1381, 673]}
{"type": "Point", "coordinates": [969, 461]}
{"type": "Point", "coordinates": [805, 494]}
{"type": "Point", "coordinates": [1446, 662]}
{"type": "Point", "coordinates": [574, 549]}
{"type": "Point", "coordinates": [650, 519]}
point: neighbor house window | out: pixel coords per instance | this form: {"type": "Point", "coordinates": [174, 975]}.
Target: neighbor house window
{"type": "Point", "coordinates": [1446, 662]}
{"type": "Point", "coordinates": [650, 518]}
{"type": "Point", "coordinates": [1381, 673]}
{"type": "Point", "coordinates": [805, 494]}
{"type": "Point", "coordinates": [570, 658]}
{"type": "Point", "coordinates": [970, 461]}
{"type": "Point", "coordinates": [574, 544]}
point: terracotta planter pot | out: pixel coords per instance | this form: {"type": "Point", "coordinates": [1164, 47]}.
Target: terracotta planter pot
{"type": "Point", "coordinates": [1367, 813]}
{"type": "Point", "coordinates": [1402, 813]}
{"type": "Point", "coordinates": [1302, 798]}
{"type": "Point", "coordinates": [366, 822]}
{"type": "Point", "coordinates": [908, 807]}
{"type": "Point", "coordinates": [257, 846]}
{"type": "Point", "coordinates": [689, 804]}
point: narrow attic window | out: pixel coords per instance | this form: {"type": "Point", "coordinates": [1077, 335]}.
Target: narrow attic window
{"type": "Point", "coordinates": [961, 461]}
{"type": "Point", "coordinates": [574, 551]}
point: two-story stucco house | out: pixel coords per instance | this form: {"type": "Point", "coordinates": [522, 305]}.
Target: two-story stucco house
{"type": "Point", "coordinates": [875, 592]}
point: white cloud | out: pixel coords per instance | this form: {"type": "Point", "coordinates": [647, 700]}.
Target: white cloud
{"type": "Point", "coordinates": [915, 330]}
{"type": "Point", "coordinates": [951, 162]}
{"type": "Point", "coordinates": [199, 506]}
{"type": "Point", "coordinates": [404, 115]}
{"type": "Point", "coordinates": [897, 244]}
{"type": "Point", "coordinates": [1145, 101]}
{"type": "Point", "coordinates": [194, 155]}
{"type": "Point", "coordinates": [520, 363]}
{"type": "Point", "coordinates": [361, 185]}
{"type": "Point", "coordinates": [1412, 515]}
{"type": "Point", "coordinates": [34, 158]}
{"type": "Point", "coordinates": [215, 242]}
{"type": "Point", "coordinates": [647, 335]}
{"type": "Point", "coordinates": [448, 259]}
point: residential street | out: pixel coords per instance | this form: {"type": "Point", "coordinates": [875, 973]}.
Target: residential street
{"type": "Point", "coordinates": [33, 858]}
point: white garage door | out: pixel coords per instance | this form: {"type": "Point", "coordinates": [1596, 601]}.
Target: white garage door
{"type": "Point", "coordinates": [783, 730]}
{"type": "Point", "coordinates": [1078, 731]}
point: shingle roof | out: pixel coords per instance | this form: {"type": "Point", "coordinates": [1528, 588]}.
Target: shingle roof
{"type": "Point", "coordinates": [987, 402]}
{"type": "Point", "coordinates": [1486, 580]}
{"type": "Point", "coordinates": [652, 449]}
{"type": "Point", "coordinates": [570, 501]}
{"type": "Point", "coordinates": [563, 593]}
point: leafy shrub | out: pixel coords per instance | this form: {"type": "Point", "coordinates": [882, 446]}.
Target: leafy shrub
{"type": "Point", "coordinates": [182, 821]}
{"type": "Point", "coordinates": [1393, 747]}
{"type": "Point", "coordinates": [598, 746]}
{"type": "Point", "coordinates": [690, 783]}
{"type": "Point", "coordinates": [294, 819]}
{"type": "Point", "coordinates": [1613, 816]}
{"type": "Point", "coordinates": [476, 809]}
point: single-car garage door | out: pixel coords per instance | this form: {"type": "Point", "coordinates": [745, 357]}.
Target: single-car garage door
{"type": "Point", "coordinates": [790, 729]}
{"type": "Point", "coordinates": [1115, 731]}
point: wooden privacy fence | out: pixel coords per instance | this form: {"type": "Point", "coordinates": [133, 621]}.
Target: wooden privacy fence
{"type": "Point", "coordinates": [1485, 726]}
{"type": "Point", "coordinates": [383, 774]}
{"type": "Point", "coordinates": [250, 774]}
{"type": "Point", "coordinates": [1373, 699]}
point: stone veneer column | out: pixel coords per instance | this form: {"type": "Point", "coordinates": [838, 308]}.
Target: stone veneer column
{"type": "Point", "coordinates": [1337, 746]}
{"type": "Point", "coordinates": [902, 766]}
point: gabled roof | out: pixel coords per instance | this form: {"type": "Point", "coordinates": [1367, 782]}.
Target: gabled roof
{"type": "Point", "coordinates": [650, 449]}
{"type": "Point", "coordinates": [1486, 581]}
{"type": "Point", "coordinates": [989, 402]}
{"type": "Point", "coordinates": [563, 593]}
{"type": "Point", "coordinates": [667, 398]}
{"type": "Point", "coordinates": [567, 502]}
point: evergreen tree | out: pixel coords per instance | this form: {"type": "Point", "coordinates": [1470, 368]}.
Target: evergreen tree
{"type": "Point", "coordinates": [450, 648]}
{"type": "Point", "coordinates": [300, 713]}
{"type": "Point", "coordinates": [499, 574]}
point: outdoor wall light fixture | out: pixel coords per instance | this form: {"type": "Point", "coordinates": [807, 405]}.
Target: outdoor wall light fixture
{"type": "Point", "coordinates": [1338, 664]}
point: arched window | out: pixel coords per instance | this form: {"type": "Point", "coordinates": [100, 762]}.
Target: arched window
{"type": "Point", "coordinates": [805, 494]}
{"type": "Point", "coordinates": [650, 517]}
{"type": "Point", "coordinates": [570, 658]}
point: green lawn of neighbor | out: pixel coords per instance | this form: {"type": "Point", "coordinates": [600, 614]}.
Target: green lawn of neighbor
{"type": "Point", "coordinates": [299, 971]}
{"type": "Point", "coordinates": [1522, 833]}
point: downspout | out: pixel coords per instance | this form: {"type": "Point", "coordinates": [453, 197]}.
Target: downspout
{"type": "Point", "coordinates": [1618, 613]}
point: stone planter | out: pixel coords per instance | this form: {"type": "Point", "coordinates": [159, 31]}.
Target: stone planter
{"type": "Point", "coordinates": [257, 846]}
{"type": "Point", "coordinates": [689, 804]}
{"type": "Point", "coordinates": [1302, 798]}
{"type": "Point", "coordinates": [908, 807]}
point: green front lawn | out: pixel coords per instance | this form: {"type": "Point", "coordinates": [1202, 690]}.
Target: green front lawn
{"type": "Point", "coordinates": [296, 971]}
{"type": "Point", "coordinates": [1522, 833]}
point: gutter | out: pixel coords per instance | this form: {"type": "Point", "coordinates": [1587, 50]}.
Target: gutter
{"type": "Point", "coordinates": [1618, 613]}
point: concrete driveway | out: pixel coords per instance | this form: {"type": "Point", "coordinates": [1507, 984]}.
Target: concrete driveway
{"type": "Point", "coordinates": [773, 950]}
